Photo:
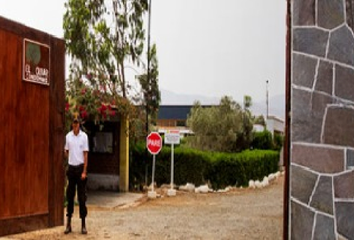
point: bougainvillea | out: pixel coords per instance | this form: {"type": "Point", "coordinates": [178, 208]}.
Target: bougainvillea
{"type": "Point", "coordinates": [94, 103]}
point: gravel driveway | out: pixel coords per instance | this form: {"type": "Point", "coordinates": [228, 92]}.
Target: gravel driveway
{"type": "Point", "coordinates": [237, 214]}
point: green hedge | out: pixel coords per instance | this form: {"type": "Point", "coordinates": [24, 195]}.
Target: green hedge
{"type": "Point", "coordinates": [220, 169]}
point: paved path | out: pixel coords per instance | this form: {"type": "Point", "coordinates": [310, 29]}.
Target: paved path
{"type": "Point", "coordinates": [112, 199]}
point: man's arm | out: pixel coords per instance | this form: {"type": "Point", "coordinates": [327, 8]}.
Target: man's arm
{"type": "Point", "coordinates": [86, 149]}
{"type": "Point", "coordinates": [83, 175]}
{"type": "Point", "coordinates": [66, 148]}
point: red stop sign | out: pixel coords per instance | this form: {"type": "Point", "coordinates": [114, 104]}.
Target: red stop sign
{"type": "Point", "coordinates": [154, 142]}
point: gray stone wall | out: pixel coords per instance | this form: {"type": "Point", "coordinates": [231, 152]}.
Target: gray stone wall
{"type": "Point", "coordinates": [322, 120]}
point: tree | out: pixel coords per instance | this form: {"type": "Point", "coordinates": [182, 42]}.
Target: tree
{"type": "Point", "coordinates": [101, 49]}
{"type": "Point", "coordinates": [260, 120]}
{"type": "Point", "coordinates": [244, 137]}
{"type": "Point", "coordinates": [216, 127]}
{"type": "Point", "coordinates": [226, 127]}
{"type": "Point", "coordinates": [150, 88]}
{"type": "Point", "coordinates": [101, 39]}
{"type": "Point", "coordinates": [247, 102]}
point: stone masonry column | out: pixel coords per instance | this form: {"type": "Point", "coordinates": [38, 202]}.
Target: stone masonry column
{"type": "Point", "coordinates": [322, 120]}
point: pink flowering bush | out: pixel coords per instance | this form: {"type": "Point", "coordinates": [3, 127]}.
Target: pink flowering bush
{"type": "Point", "coordinates": [95, 104]}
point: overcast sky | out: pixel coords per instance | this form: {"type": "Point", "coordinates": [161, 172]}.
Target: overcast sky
{"type": "Point", "coordinates": [205, 47]}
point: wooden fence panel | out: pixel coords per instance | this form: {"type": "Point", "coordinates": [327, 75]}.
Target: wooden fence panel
{"type": "Point", "coordinates": [25, 137]}
{"type": "Point", "coordinates": [31, 134]}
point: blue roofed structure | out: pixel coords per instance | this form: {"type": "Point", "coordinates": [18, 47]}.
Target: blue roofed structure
{"type": "Point", "coordinates": [174, 117]}
{"type": "Point", "coordinates": [180, 112]}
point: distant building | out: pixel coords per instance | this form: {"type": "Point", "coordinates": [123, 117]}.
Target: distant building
{"type": "Point", "coordinates": [258, 128]}
{"type": "Point", "coordinates": [274, 125]}
{"type": "Point", "coordinates": [173, 117]}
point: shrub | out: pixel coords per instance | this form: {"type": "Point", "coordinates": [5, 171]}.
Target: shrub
{"type": "Point", "coordinates": [221, 169]}
{"type": "Point", "coordinates": [278, 141]}
{"type": "Point", "coordinates": [238, 169]}
{"type": "Point", "coordinates": [262, 140]}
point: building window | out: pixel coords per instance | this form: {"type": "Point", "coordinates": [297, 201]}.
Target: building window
{"type": "Point", "coordinates": [101, 137]}
{"type": "Point", "coordinates": [102, 142]}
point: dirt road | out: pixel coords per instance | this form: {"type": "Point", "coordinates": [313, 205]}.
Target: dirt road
{"type": "Point", "coordinates": [238, 214]}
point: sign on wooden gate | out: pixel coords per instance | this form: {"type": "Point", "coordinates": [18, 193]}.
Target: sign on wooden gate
{"type": "Point", "coordinates": [36, 62]}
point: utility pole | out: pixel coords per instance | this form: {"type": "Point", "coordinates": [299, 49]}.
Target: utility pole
{"type": "Point", "coordinates": [148, 70]}
{"type": "Point", "coordinates": [148, 95]}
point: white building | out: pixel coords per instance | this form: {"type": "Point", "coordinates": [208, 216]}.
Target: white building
{"type": "Point", "coordinates": [273, 124]}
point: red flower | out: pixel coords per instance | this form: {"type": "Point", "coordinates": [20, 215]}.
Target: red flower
{"type": "Point", "coordinates": [67, 106]}
{"type": "Point", "coordinates": [83, 91]}
{"type": "Point", "coordinates": [103, 107]}
{"type": "Point", "coordinates": [104, 115]}
{"type": "Point", "coordinates": [83, 114]}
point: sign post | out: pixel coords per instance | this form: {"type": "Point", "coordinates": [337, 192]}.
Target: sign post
{"type": "Point", "coordinates": [172, 137]}
{"type": "Point", "coordinates": [154, 145]}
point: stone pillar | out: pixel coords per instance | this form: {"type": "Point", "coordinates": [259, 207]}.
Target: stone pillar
{"type": "Point", "coordinates": [124, 156]}
{"type": "Point", "coordinates": [322, 120]}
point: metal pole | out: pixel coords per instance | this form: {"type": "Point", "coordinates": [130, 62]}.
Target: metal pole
{"type": "Point", "coordinates": [172, 163]}
{"type": "Point", "coordinates": [153, 172]}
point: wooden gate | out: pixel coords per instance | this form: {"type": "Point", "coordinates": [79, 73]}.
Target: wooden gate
{"type": "Point", "coordinates": [32, 76]}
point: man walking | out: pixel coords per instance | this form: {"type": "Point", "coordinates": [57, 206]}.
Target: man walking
{"type": "Point", "coordinates": [76, 149]}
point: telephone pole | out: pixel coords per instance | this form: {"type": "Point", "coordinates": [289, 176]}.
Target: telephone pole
{"type": "Point", "coordinates": [148, 95]}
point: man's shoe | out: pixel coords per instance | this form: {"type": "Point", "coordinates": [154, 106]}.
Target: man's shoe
{"type": "Point", "coordinates": [83, 226]}
{"type": "Point", "coordinates": [67, 230]}
{"type": "Point", "coordinates": [68, 226]}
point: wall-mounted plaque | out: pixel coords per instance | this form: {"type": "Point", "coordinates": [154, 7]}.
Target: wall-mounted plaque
{"type": "Point", "coordinates": [36, 65]}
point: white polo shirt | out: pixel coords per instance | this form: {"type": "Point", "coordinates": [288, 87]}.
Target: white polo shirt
{"type": "Point", "coordinates": [76, 145]}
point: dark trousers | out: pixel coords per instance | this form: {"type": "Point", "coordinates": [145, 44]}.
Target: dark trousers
{"type": "Point", "coordinates": [74, 177]}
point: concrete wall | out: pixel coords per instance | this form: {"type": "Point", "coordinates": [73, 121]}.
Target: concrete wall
{"type": "Point", "coordinates": [322, 120]}
{"type": "Point", "coordinates": [103, 182]}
